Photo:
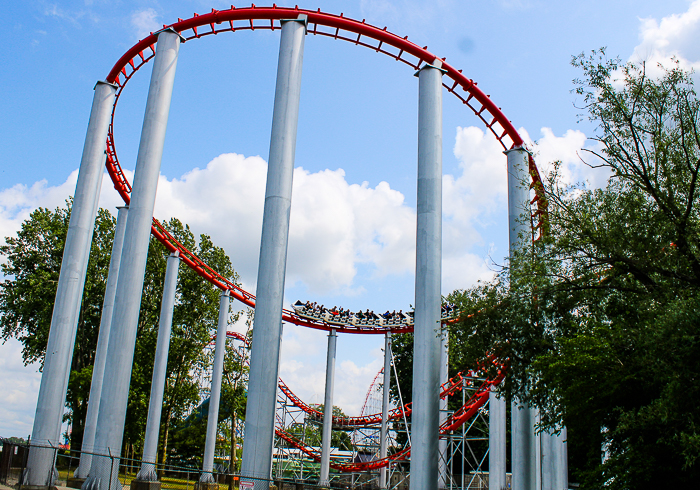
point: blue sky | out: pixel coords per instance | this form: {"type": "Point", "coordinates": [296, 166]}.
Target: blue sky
{"type": "Point", "coordinates": [351, 241]}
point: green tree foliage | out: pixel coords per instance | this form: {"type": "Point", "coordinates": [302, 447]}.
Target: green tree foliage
{"type": "Point", "coordinates": [31, 270]}
{"type": "Point", "coordinates": [189, 433]}
{"type": "Point", "coordinates": [599, 321]}
{"type": "Point", "coordinates": [312, 431]}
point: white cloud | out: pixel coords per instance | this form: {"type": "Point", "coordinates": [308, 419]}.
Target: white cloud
{"type": "Point", "coordinates": [577, 165]}
{"type": "Point", "coordinates": [303, 368]}
{"type": "Point", "coordinates": [18, 201]}
{"type": "Point", "coordinates": [53, 10]}
{"type": "Point", "coordinates": [674, 36]}
{"type": "Point", "coordinates": [471, 201]}
{"type": "Point", "coordinates": [145, 21]}
{"type": "Point", "coordinates": [19, 385]}
{"type": "Point", "coordinates": [336, 226]}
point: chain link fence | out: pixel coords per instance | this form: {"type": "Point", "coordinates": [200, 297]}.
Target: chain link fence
{"type": "Point", "coordinates": [110, 472]}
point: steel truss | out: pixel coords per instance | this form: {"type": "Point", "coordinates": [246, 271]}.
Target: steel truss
{"type": "Point", "coordinates": [466, 457]}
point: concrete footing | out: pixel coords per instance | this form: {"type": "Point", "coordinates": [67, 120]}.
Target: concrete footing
{"type": "Point", "coordinates": [145, 485]}
{"type": "Point", "coordinates": [75, 482]}
{"type": "Point", "coordinates": [38, 487]}
{"type": "Point", "coordinates": [206, 486]}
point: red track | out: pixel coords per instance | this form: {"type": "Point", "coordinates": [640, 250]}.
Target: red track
{"type": "Point", "coordinates": [323, 24]}
{"type": "Point", "coordinates": [451, 387]}
{"type": "Point", "coordinates": [381, 41]}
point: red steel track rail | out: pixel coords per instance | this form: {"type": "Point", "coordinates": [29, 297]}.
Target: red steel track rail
{"type": "Point", "coordinates": [449, 388]}
{"type": "Point", "coordinates": [323, 24]}
{"type": "Point", "coordinates": [381, 41]}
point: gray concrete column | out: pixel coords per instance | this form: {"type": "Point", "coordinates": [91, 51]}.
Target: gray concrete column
{"type": "Point", "coordinates": [64, 321]}
{"type": "Point", "coordinates": [217, 374]}
{"type": "Point", "coordinates": [160, 365]}
{"type": "Point", "coordinates": [555, 475]}
{"type": "Point", "coordinates": [497, 441]}
{"type": "Point", "coordinates": [267, 331]}
{"type": "Point", "coordinates": [98, 368]}
{"type": "Point", "coordinates": [519, 229]}
{"type": "Point", "coordinates": [525, 455]}
{"type": "Point", "coordinates": [425, 417]}
{"type": "Point", "coordinates": [524, 448]}
{"type": "Point", "coordinates": [384, 433]}
{"type": "Point", "coordinates": [443, 482]}
{"type": "Point", "coordinates": [122, 337]}
{"type": "Point", "coordinates": [328, 411]}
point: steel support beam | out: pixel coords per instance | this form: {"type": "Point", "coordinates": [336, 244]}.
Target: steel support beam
{"type": "Point", "coordinates": [69, 292]}
{"type": "Point", "coordinates": [120, 355]}
{"type": "Point", "coordinates": [160, 365]}
{"type": "Point", "coordinates": [328, 411]}
{"type": "Point", "coordinates": [524, 447]}
{"type": "Point", "coordinates": [425, 417]}
{"type": "Point", "coordinates": [555, 475]}
{"type": "Point", "coordinates": [98, 368]}
{"type": "Point", "coordinates": [384, 433]}
{"type": "Point", "coordinates": [217, 374]}
{"type": "Point", "coordinates": [497, 441]}
{"type": "Point", "coordinates": [443, 482]}
{"type": "Point", "coordinates": [267, 331]}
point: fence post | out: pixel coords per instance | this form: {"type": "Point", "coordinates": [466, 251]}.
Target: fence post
{"type": "Point", "coordinates": [111, 468]}
{"type": "Point", "coordinates": [53, 468]}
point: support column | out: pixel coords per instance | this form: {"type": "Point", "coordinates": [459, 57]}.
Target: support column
{"type": "Point", "coordinates": [120, 355]}
{"type": "Point", "coordinates": [267, 331]}
{"type": "Point", "coordinates": [147, 473]}
{"type": "Point", "coordinates": [425, 417]}
{"type": "Point", "coordinates": [384, 433]}
{"type": "Point", "coordinates": [328, 411]}
{"type": "Point", "coordinates": [497, 441]}
{"type": "Point", "coordinates": [555, 475]}
{"type": "Point", "coordinates": [215, 391]}
{"type": "Point", "coordinates": [102, 345]}
{"type": "Point", "coordinates": [443, 482]}
{"type": "Point", "coordinates": [525, 454]}
{"type": "Point", "coordinates": [46, 431]}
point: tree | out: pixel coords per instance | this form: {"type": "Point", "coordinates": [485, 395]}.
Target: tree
{"type": "Point", "coordinates": [32, 267]}
{"type": "Point", "coordinates": [312, 431]}
{"type": "Point", "coordinates": [598, 321]}
{"type": "Point", "coordinates": [233, 393]}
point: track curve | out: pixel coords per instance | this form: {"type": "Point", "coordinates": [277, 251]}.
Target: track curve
{"type": "Point", "coordinates": [449, 388]}
{"type": "Point", "coordinates": [381, 41]}
{"type": "Point", "coordinates": [324, 24]}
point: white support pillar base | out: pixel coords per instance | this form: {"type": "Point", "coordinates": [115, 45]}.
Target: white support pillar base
{"type": "Point", "coordinates": [98, 369]}
{"type": "Point", "coordinates": [46, 431]}
{"type": "Point", "coordinates": [127, 303]}
{"type": "Point", "coordinates": [155, 403]}
{"type": "Point", "coordinates": [217, 374]}
{"type": "Point", "coordinates": [425, 417]}
{"type": "Point", "coordinates": [497, 442]}
{"type": "Point", "coordinates": [328, 411]}
{"type": "Point", "coordinates": [267, 331]}
{"type": "Point", "coordinates": [384, 432]}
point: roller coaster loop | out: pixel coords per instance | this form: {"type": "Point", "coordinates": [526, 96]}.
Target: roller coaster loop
{"type": "Point", "coordinates": [371, 37]}
{"type": "Point", "coordinates": [322, 24]}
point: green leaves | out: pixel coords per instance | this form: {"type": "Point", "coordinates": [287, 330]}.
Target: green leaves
{"type": "Point", "coordinates": [598, 321]}
{"type": "Point", "coordinates": [32, 266]}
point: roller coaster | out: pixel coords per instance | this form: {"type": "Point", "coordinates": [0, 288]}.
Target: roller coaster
{"type": "Point", "coordinates": [453, 386]}
{"type": "Point", "coordinates": [380, 40]}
